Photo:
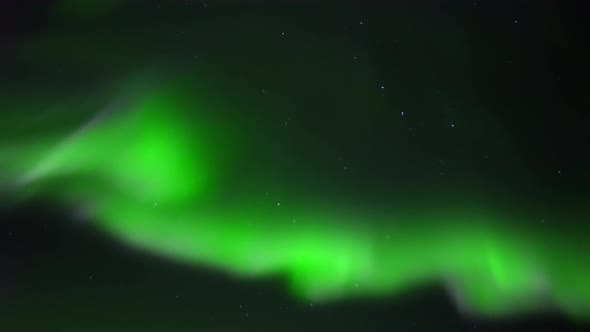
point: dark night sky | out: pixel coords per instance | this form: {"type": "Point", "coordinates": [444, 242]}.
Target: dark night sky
{"type": "Point", "coordinates": [360, 99]}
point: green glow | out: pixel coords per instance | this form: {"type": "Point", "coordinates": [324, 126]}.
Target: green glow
{"type": "Point", "coordinates": [149, 175]}
{"type": "Point", "coordinates": [87, 8]}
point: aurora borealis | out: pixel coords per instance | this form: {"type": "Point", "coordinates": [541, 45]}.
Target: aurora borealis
{"type": "Point", "coordinates": [309, 166]}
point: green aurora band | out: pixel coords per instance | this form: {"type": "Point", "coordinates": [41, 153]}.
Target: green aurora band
{"type": "Point", "coordinates": [155, 182]}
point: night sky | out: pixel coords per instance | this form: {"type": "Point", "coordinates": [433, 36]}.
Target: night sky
{"type": "Point", "coordinates": [294, 166]}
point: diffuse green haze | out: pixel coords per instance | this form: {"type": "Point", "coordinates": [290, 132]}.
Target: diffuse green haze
{"type": "Point", "coordinates": [153, 175]}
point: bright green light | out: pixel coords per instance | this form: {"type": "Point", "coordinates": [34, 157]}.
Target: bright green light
{"type": "Point", "coordinates": [157, 162]}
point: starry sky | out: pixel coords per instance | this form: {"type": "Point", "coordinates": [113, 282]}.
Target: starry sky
{"type": "Point", "coordinates": [277, 165]}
